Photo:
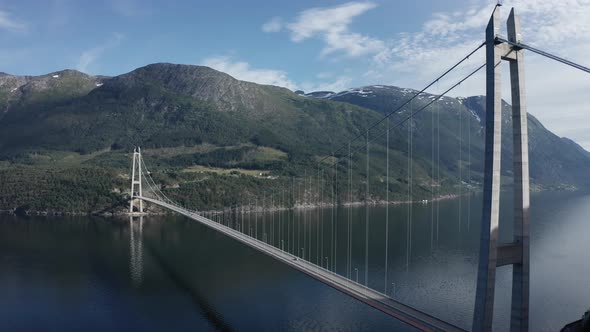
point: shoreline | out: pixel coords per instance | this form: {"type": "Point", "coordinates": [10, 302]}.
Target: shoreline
{"type": "Point", "coordinates": [254, 209]}
{"type": "Point", "coordinates": [258, 209]}
{"type": "Point", "coordinates": [247, 208]}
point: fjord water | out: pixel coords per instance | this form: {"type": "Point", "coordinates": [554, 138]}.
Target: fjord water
{"type": "Point", "coordinates": [170, 273]}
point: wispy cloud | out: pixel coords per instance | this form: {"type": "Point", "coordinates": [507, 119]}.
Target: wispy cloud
{"type": "Point", "coordinates": [446, 37]}
{"type": "Point", "coordinates": [244, 71]}
{"type": "Point", "coordinates": [413, 58]}
{"type": "Point", "coordinates": [338, 84]}
{"type": "Point", "coordinates": [332, 25]}
{"type": "Point", "coordinates": [90, 56]}
{"type": "Point", "coordinates": [275, 24]}
{"type": "Point", "coordinates": [9, 22]}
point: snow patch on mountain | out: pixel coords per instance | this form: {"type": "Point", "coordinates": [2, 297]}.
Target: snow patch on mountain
{"type": "Point", "coordinates": [475, 115]}
{"type": "Point", "coordinates": [319, 94]}
{"type": "Point", "coordinates": [363, 92]}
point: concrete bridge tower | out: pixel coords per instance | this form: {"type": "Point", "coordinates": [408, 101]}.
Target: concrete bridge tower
{"type": "Point", "coordinates": [515, 253]}
{"type": "Point", "coordinates": [136, 182]}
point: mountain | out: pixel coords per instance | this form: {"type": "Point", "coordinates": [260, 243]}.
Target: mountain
{"type": "Point", "coordinates": [575, 146]}
{"type": "Point", "coordinates": [212, 139]}
{"type": "Point", "coordinates": [554, 161]}
{"type": "Point", "coordinates": [22, 91]}
{"type": "Point", "coordinates": [166, 105]}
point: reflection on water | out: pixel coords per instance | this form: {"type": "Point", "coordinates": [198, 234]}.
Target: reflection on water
{"type": "Point", "coordinates": [136, 249]}
{"type": "Point", "coordinates": [352, 241]}
{"type": "Point", "coordinates": [432, 257]}
{"type": "Point", "coordinates": [162, 273]}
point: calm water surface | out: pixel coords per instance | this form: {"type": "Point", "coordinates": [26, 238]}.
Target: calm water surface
{"type": "Point", "coordinates": [169, 273]}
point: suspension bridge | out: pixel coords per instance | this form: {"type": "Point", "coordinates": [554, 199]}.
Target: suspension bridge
{"type": "Point", "coordinates": [335, 174]}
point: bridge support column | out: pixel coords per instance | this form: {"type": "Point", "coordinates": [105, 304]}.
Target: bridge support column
{"type": "Point", "coordinates": [136, 182]}
{"type": "Point", "coordinates": [520, 274]}
{"type": "Point", "coordinates": [515, 253]}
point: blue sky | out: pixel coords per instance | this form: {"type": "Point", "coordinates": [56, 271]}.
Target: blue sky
{"type": "Point", "coordinates": [309, 45]}
{"type": "Point", "coordinates": [120, 35]}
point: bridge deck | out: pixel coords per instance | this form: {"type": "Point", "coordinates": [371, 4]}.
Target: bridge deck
{"type": "Point", "coordinates": [398, 310]}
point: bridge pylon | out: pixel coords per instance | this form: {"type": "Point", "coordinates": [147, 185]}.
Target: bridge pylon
{"type": "Point", "coordinates": [136, 190]}
{"type": "Point", "coordinates": [515, 253]}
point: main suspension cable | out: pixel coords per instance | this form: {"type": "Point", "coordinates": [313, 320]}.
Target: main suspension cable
{"type": "Point", "coordinates": [400, 107]}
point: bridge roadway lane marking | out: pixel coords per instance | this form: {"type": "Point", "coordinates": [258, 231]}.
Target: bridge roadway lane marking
{"type": "Point", "coordinates": [375, 299]}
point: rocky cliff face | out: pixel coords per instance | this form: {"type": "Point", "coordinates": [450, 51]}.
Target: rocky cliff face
{"type": "Point", "coordinates": [200, 83]}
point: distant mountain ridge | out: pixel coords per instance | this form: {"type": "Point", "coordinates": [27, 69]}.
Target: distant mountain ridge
{"type": "Point", "coordinates": [166, 105]}
{"type": "Point", "coordinates": [169, 105]}
{"type": "Point", "coordinates": [554, 157]}
{"type": "Point", "coordinates": [58, 85]}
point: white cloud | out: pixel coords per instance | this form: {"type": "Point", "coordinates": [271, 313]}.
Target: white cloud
{"type": "Point", "coordinates": [445, 24]}
{"type": "Point", "coordinates": [555, 93]}
{"type": "Point", "coordinates": [275, 24]}
{"type": "Point", "coordinates": [331, 24]}
{"type": "Point", "coordinates": [339, 84]}
{"type": "Point", "coordinates": [89, 57]}
{"type": "Point", "coordinates": [8, 22]}
{"type": "Point", "coordinates": [244, 71]}
{"type": "Point", "coordinates": [321, 20]}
